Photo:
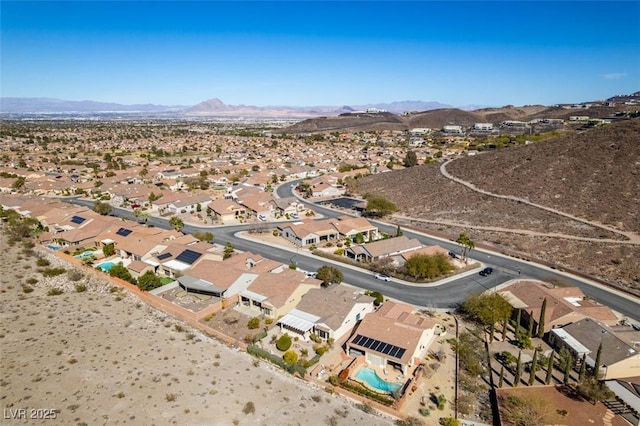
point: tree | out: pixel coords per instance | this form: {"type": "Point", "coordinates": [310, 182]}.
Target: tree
{"type": "Point", "coordinates": [596, 367]}
{"type": "Point", "coordinates": [398, 231]}
{"type": "Point", "coordinates": [378, 206]}
{"type": "Point", "coordinates": [148, 281]}
{"type": "Point", "coordinates": [517, 328]}
{"type": "Point", "coordinates": [109, 249]}
{"type": "Point", "coordinates": [530, 328]}
{"type": "Point", "coordinates": [422, 266]}
{"type": "Point", "coordinates": [487, 308]}
{"type": "Point", "coordinates": [547, 379]}
{"type": "Point", "coordinates": [533, 368]}
{"type": "Point", "coordinates": [102, 208]}
{"type": "Point", "coordinates": [410, 159]}
{"type": "Point", "coordinates": [153, 197]}
{"type": "Point", "coordinates": [583, 368]}
{"type": "Point", "coordinates": [530, 410]}
{"type": "Point", "coordinates": [376, 295]}
{"type": "Point", "coordinates": [467, 244]}
{"type": "Point", "coordinates": [516, 379]}
{"type": "Point", "coordinates": [143, 172]}
{"type": "Point", "coordinates": [329, 275]}
{"type": "Point", "coordinates": [543, 311]}
{"type": "Point", "coordinates": [501, 380]}
{"type": "Point", "coordinates": [119, 271]}
{"type": "Point", "coordinates": [176, 223]}
{"type": "Point", "coordinates": [228, 250]}
{"type": "Point", "coordinates": [594, 390]}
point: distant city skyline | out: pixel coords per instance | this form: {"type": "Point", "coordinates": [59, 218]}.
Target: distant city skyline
{"type": "Point", "coordinates": [303, 53]}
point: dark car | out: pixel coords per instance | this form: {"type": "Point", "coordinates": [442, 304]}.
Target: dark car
{"type": "Point", "coordinates": [486, 271]}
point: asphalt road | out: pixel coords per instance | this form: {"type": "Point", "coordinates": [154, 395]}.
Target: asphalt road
{"type": "Point", "coordinates": [445, 295]}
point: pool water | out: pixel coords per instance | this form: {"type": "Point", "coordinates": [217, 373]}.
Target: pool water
{"type": "Point", "coordinates": [86, 254]}
{"type": "Point", "coordinates": [106, 266]}
{"type": "Point", "coordinates": [368, 375]}
{"type": "Point", "coordinates": [53, 247]}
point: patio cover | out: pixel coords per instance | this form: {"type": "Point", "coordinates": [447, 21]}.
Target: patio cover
{"type": "Point", "coordinates": [570, 341]}
{"type": "Point", "coordinates": [299, 320]}
{"type": "Point", "coordinates": [198, 285]}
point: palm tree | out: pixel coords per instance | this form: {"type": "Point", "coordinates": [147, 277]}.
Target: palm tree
{"type": "Point", "coordinates": [176, 223]}
{"type": "Point", "coordinates": [466, 243]}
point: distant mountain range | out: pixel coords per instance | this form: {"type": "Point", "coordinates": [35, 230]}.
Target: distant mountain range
{"type": "Point", "coordinates": [52, 105]}
{"type": "Point", "coordinates": [216, 108]}
{"type": "Point", "coordinates": [209, 108]}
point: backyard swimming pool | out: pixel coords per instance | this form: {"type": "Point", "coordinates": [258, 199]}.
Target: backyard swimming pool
{"type": "Point", "coordinates": [106, 266]}
{"type": "Point", "coordinates": [86, 254]}
{"type": "Point", "coordinates": [372, 379]}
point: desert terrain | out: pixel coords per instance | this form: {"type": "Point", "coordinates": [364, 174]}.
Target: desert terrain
{"type": "Point", "coordinates": [592, 175]}
{"type": "Point", "coordinates": [99, 356]}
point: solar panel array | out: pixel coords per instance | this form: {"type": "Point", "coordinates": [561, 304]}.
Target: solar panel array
{"type": "Point", "coordinates": [77, 219]}
{"type": "Point", "coordinates": [378, 346]}
{"type": "Point", "coordinates": [188, 256]}
{"type": "Point", "coordinates": [124, 232]}
{"type": "Point", "coordinates": [163, 256]}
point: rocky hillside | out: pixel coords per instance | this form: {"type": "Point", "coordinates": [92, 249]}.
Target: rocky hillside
{"type": "Point", "coordinates": [593, 175]}
{"type": "Point", "coordinates": [437, 118]}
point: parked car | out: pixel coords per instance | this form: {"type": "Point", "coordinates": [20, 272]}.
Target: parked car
{"type": "Point", "coordinates": [381, 277]}
{"type": "Point", "coordinates": [262, 217]}
{"type": "Point", "coordinates": [312, 274]}
{"type": "Point", "coordinates": [486, 271]}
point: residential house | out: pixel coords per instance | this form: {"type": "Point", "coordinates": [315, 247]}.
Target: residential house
{"type": "Point", "coordinates": [188, 204]}
{"type": "Point", "coordinates": [393, 336]}
{"type": "Point", "coordinates": [309, 232]}
{"type": "Point", "coordinates": [329, 313]}
{"type": "Point", "coordinates": [394, 248]}
{"type": "Point", "coordinates": [225, 211]}
{"type": "Point", "coordinates": [565, 305]}
{"type": "Point", "coordinates": [276, 294]}
{"type": "Point", "coordinates": [619, 357]}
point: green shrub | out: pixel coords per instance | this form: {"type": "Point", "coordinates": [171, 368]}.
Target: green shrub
{"type": "Point", "coordinates": [290, 357]}
{"type": "Point", "coordinates": [275, 359]}
{"type": "Point", "coordinates": [253, 323]}
{"type": "Point", "coordinates": [54, 292]}
{"type": "Point", "coordinates": [32, 281]}
{"type": "Point", "coordinates": [268, 321]}
{"type": "Point", "coordinates": [284, 343]}
{"type": "Point", "coordinates": [80, 288]}
{"type": "Point", "coordinates": [52, 272]}
{"type": "Point", "coordinates": [259, 336]}
{"type": "Point", "coordinates": [42, 262]}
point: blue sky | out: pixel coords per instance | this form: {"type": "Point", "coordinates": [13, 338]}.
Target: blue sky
{"type": "Point", "coordinates": [320, 53]}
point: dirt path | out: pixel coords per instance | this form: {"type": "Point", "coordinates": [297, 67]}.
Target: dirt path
{"type": "Point", "coordinates": [632, 238]}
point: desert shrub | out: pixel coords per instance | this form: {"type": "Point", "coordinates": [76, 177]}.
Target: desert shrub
{"type": "Point", "coordinates": [339, 252]}
{"type": "Point", "coordinates": [284, 343]}
{"type": "Point", "coordinates": [170, 397]}
{"type": "Point", "coordinates": [290, 357]}
{"type": "Point", "coordinates": [42, 262]}
{"type": "Point", "coordinates": [54, 291]}
{"type": "Point", "coordinates": [249, 408]}
{"type": "Point", "coordinates": [253, 323]}
{"type": "Point", "coordinates": [31, 281]}
{"type": "Point", "coordinates": [80, 288]}
{"type": "Point", "coordinates": [52, 272]}
{"type": "Point", "coordinates": [27, 289]}
{"type": "Point", "coordinates": [74, 275]}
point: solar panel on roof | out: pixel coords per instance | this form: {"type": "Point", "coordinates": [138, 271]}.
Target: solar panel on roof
{"type": "Point", "coordinates": [124, 232]}
{"type": "Point", "coordinates": [164, 256]}
{"type": "Point", "coordinates": [379, 346]}
{"type": "Point", "coordinates": [188, 256]}
{"type": "Point", "coordinates": [77, 219]}
{"type": "Point", "coordinates": [358, 339]}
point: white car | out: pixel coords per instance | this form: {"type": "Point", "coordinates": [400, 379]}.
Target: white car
{"type": "Point", "coordinates": [381, 277]}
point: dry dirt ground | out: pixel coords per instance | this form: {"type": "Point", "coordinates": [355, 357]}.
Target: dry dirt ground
{"type": "Point", "coordinates": [102, 357]}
